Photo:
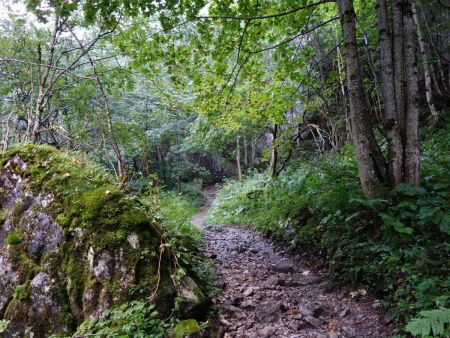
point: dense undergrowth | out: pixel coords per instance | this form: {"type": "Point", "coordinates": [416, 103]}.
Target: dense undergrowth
{"type": "Point", "coordinates": [397, 245]}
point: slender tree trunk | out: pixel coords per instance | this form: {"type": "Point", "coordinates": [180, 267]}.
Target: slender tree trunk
{"type": "Point", "coordinates": [370, 62]}
{"type": "Point", "coordinates": [343, 91]}
{"type": "Point", "coordinates": [436, 83]}
{"type": "Point", "coordinates": [144, 167]}
{"type": "Point", "coordinates": [361, 129]}
{"type": "Point", "coordinates": [399, 76]}
{"type": "Point", "coordinates": [245, 152]}
{"type": "Point", "coordinates": [44, 87]}
{"type": "Point", "coordinates": [4, 144]}
{"type": "Point", "coordinates": [426, 65]}
{"type": "Point", "coordinates": [274, 157]}
{"type": "Point", "coordinates": [395, 147]}
{"type": "Point", "coordinates": [253, 153]}
{"type": "Point", "coordinates": [238, 158]}
{"type": "Point", "coordinates": [439, 78]}
{"type": "Point", "coordinates": [412, 161]}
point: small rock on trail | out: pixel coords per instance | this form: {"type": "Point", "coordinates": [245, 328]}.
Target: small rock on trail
{"type": "Point", "coordinates": [271, 293]}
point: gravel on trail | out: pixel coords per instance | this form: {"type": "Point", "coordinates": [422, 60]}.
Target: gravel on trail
{"type": "Point", "coordinates": [270, 291]}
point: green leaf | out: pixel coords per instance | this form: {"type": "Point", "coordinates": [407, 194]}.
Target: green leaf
{"type": "Point", "coordinates": [430, 321]}
{"type": "Point", "coordinates": [444, 226]}
{"type": "Point", "coordinates": [410, 190]}
{"type": "Point", "coordinates": [400, 227]}
{"type": "Point", "coordinates": [425, 212]}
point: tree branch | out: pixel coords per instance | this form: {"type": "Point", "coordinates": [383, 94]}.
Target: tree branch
{"type": "Point", "coordinates": [269, 16]}
{"type": "Point", "coordinates": [293, 37]}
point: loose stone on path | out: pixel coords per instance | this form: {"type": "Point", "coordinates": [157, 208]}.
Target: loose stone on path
{"type": "Point", "coordinates": [269, 293]}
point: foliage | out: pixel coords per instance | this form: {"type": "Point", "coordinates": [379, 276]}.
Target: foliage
{"type": "Point", "coordinates": [3, 325]}
{"type": "Point", "coordinates": [183, 81]}
{"type": "Point", "coordinates": [134, 319]}
{"type": "Point", "coordinates": [177, 209]}
{"type": "Point", "coordinates": [182, 237]}
{"type": "Point", "coordinates": [432, 321]}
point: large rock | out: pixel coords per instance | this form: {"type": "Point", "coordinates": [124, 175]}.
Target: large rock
{"type": "Point", "coordinates": [71, 244]}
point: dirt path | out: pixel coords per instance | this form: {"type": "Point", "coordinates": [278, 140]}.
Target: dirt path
{"type": "Point", "coordinates": [269, 292]}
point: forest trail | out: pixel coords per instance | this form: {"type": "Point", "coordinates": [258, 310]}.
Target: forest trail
{"type": "Point", "coordinates": [271, 292]}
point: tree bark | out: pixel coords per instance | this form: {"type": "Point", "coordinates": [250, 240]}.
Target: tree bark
{"type": "Point", "coordinates": [274, 156]}
{"type": "Point", "coordinates": [238, 158]}
{"type": "Point", "coordinates": [44, 87]}
{"type": "Point", "coordinates": [399, 76]}
{"type": "Point", "coordinates": [348, 128]}
{"type": "Point", "coordinates": [426, 65]}
{"type": "Point", "coordinates": [395, 147]}
{"type": "Point", "coordinates": [361, 130]}
{"type": "Point", "coordinates": [245, 152]}
{"type": "Point", "coordinates": [253, 153]}
{"type": "Point", "coordinates": [412, 161]}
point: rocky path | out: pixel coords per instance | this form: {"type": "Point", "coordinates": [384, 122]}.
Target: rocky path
{"type": "Point", "coordinates": [270, 292]}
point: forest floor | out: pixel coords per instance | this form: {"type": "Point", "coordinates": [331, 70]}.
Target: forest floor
{"type": "Point", "coordinates": [271, 291]}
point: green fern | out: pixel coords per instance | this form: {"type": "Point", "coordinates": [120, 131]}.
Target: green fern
{"type": "Point", "coordinates": [431, 321]}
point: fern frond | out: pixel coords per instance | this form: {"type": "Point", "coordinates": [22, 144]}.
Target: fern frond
{"type": "Point", "coordinates": [430, 321]}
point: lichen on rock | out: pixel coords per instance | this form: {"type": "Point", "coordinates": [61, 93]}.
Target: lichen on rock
{"type": "Point", "coordinates": [71, 244]}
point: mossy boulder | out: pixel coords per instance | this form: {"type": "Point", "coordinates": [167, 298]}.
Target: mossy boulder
{"type": "Point", "coordinates": [71, 244]}
{"type": "Point", "coordinates": [185, 328]}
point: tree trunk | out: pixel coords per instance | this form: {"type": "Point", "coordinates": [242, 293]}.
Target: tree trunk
{"type": "Point", "coordinates": [395, 147]}
{"type": "Point", "coordinates": [361, 129]}
{"type": "Point", "coordinates": [426, 65]}
{"type": "Point", "coordinates": [245, 152]}
{"type": "Point", "coordinates": [348, 128]}
{"type": "Point", "coordinates": [399, 76]}
{"type": "Point", "coordinates": [412, 161]}
{"type": "Point", "coordinates": [44, 86]}
{"type": "Point", "coordinates": [238, 158]}
{"type": "Point", "coordinates": [274, 156]}
{"type": "Point", "coordinates": [253, 153]}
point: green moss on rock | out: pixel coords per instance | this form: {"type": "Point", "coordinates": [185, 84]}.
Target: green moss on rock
{"type": "Point", "coordinates": [85, 195]}
{"type": "Point", "coordinates": [22, 291]}
{"type": "Point", "coordinates": [3, 214]}
{"type": "Point", "coordinates": [185, 328]}
{"type": "Point", "coordinates": [13, 238]}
